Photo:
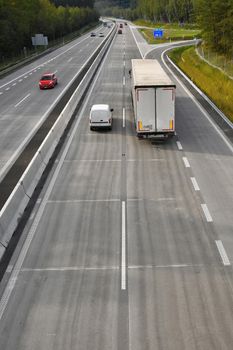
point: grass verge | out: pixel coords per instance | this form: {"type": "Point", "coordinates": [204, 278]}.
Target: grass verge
{"type": "Point", "coordinates": [214, 83]}
{"type": "Point", "coordinates": [172, 31]}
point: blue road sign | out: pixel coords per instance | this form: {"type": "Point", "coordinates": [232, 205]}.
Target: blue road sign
{"type": "Point", "coordinates": [158, 33]}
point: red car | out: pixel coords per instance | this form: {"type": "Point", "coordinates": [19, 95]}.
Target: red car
{"type": "Point", "coordinates": [48, 81]}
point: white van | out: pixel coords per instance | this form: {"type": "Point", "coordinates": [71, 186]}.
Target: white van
{"type": "Point", "coordinates": [101, 117]}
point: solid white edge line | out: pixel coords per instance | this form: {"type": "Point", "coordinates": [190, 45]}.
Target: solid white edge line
{"type": "Point", "coordinates": [22, 100]}
{"type": "Point", "coordinates": [123, 249]}
{"type": "Point", "coordinates": [179, 145]}
{"type": "Point", "coordinates": [186, 162]}
{"type": "Point", "coordinates": [123, 122]}
{"type": "Point", "coordinates": [207, 213]}
{"type": "Point", "coordinates": [195, 184]}
{"type": "Point", "coordinates": [130, 27]}
{"type": "Point", "coordinates": [222, 252]}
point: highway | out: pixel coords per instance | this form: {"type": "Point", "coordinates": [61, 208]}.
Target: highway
{"type": "Point", "coordinates": [24, 107]}
{"type": "Point", "coordinates": [130, 245]}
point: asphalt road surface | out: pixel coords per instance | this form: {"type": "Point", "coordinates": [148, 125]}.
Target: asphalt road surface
{"type": "Point", "coordinates": [24, 107]}
{"type": "Point", "coordinates": [131, 243]}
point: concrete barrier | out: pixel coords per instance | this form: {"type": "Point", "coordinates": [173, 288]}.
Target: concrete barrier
{"type": "Point", "coordinates": [14, 208]}
{"type": "Point", "coordinates": [12, 212]}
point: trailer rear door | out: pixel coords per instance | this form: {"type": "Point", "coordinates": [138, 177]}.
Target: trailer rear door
{"type": "Point", "coordinates": [145, 100]}
{"type": "Point", "coordinates": [165, 109]}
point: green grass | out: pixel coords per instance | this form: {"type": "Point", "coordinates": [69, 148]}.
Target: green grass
{"type": "Point", "coordinates": [171, 34]}
{"type": "Point", "coordinates": [214, 83]}
{"type": "Point", "coordinates": [172, 31]}
{"type": "Point", "coordinates": [145, 23]}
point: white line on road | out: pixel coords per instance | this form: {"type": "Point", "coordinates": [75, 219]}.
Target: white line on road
{"type": "Point", "coordinates": [123, 80]}
{"type": "Point", "coordinates": [186, 162]}
{"type": "Point", "coordinates": [179, 145]}
{"type": "Point", "coordinates": [83, 200]}
{"type": "Point", "coordinates": [195, 184]}
{"type": "Point", "coordinates": [222, 253]}
{"type": "Point", "coordinates": [14, 84]}
{"type": "Point", "coordinates": [123, 123]}
{"type": "Point", "coordinates": [7, 89]}
{"type": "Point", "coordinates": [70, 59]}
{"type": "Point", "coordinates": [71, 268]}
{"type": "Point", "coordinates": [123, 248]}
{"type": "Point", "coordinates": [206, 212]}
{"type": "Point", "coordinates": [22, 100]}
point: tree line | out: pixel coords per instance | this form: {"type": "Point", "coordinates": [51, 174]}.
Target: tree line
{"type": "Point", "coordinates": [214, 17]}
{"type": "Point", "coordinates": [22, 19]}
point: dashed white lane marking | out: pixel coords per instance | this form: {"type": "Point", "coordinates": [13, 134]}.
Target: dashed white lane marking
{"type": "Point", "coordinates": [25, 77]}
{"type": "Point", "coordinates": [70, 59]}
{"type": "Point", "coordinates": [22, 100]}
{"type": "Point", "coordinates": [195, 184]}
{"type": "Point", "coordinates": [222, 253]}
{"type": "Point", "coordinates": [179, 145]}
{"type": "Point", "coordinates": [14, 84]}
{"type": "Point", "coordinates": [123, 80]}
{"type": "Point", "coordinates": [123, 122]}
{"type": "Point", "coordinates": [1, 93]}
{"type": "Point", "coordinates": [207, 213]}
{"type": "Point", "coordinates": [7, 89]}
{"type": "Point", "coordinates": [20, 80]}
{"type": "Point", "coordinates": [186, 162]}
{"type": "Point", "coordinates": [123, 248]}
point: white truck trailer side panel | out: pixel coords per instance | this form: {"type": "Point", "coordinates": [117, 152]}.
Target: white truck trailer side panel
{"type": "Point", "coordinates": [145, 109]}
{"type": "Point", "coordinates": [165, 109]}
{"type": "Point", "coordinates": [153, 95]}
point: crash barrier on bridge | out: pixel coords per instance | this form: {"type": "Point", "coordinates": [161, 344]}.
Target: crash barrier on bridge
{"type": "Point", "coordinates": [12, 211]}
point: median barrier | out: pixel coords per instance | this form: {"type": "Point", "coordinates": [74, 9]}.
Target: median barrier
{"type": "Point", "coordinates": [2, 251]}
{"type": "Point", "coordinates": [12, 212]}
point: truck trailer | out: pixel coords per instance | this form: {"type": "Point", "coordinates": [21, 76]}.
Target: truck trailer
{"type": "Point", "coordinates": [153, 95]}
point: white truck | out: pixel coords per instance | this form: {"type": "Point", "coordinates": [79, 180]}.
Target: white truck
{"type": "Point", "coordinates": [153, 95]}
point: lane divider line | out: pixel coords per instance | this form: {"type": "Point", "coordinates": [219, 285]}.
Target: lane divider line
{"type": "Point", "coordinates": [123, 122]}
{"type": "Point", "coordinates": [180, 148]}
{"type": "Point", "coordinates": [123, 247]}
{"type": "Point", "coordinates": [207, 213]}
{"type": "Point", "coordinates": [222, 252]}
{"type": "Point", "coordinates": [195, 184]}
{"type": "Point", "coordinates": [186, 162]}
{"type": "Point", "coordinates": [22, 100]}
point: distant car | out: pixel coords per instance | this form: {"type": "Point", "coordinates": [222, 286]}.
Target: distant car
{"type": "Point", "coordinates": [121, 25]}
{"type": "Point", "coordinates": [93, 34]}
{"type": "Point", "coordinates": [119, 31]}
{"type": "Point", "coordinates": [48, 81]}
{"type": "Point", "coordinates": [101, 35]}
{"type": "Point", "coordinates": [125, 23]}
